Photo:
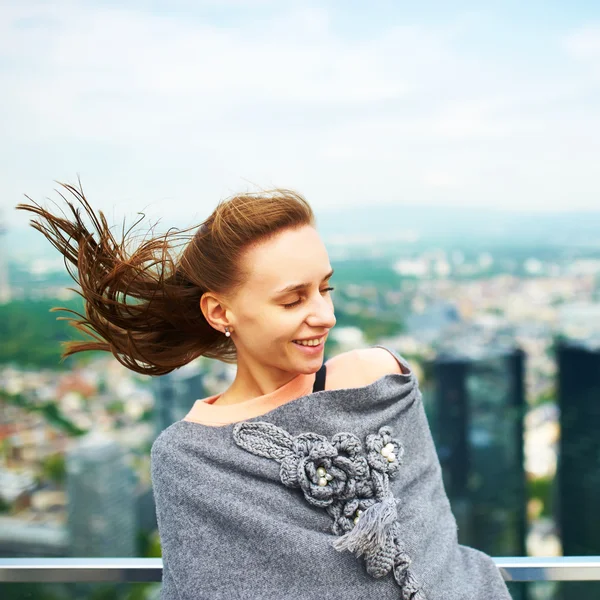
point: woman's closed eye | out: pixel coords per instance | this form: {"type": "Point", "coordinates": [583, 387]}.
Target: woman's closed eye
{"type": "Point", "coordinates": [297, 302]}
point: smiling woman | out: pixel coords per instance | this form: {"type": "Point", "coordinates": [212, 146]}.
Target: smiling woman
{"type": "Point", "coordinates": [167, 301]}
{"type": "Point", "coordinates": [347, 439]}
{"type": "Point", "coordinates": [280, 317]}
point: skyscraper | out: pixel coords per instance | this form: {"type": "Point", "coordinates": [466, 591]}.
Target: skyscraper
{"type": "Point", "coordinates": [175, 393]}
{"type": "Point", "coordinates": [101, 499]}
{"type": "Point", "coordinates": [578, 474]}
{"type": "Point", "coordinates": [478, 409]}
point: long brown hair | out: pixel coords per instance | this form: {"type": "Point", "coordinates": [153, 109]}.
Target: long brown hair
{"type": "Point", "coordinates": [143, 303]}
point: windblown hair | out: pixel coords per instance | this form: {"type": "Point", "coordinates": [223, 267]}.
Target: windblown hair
{"type": "Point", "coordinates": [142, 304]}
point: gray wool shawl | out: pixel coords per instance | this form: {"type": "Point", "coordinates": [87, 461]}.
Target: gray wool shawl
{"type": "Point", "coordinates": [335, 495]}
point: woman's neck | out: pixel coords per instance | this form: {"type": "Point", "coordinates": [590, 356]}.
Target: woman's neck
{"type": "Point", "coordinates": [252, 382]}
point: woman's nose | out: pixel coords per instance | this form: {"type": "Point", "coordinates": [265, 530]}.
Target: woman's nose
{"type": "Point", "coordinates": [322, 314]}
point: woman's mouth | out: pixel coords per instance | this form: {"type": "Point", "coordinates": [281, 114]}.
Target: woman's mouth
{"type": "Point", "coordinates": [311, 342]}
{"type": "Point", "coordinates": [311, 346]}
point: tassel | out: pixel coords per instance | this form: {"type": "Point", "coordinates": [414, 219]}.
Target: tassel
{"type": "Point", "coordinates": [371, 530]}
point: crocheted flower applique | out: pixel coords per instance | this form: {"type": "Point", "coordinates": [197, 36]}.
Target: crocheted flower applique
{"type": "Point", "coordinates": [351, 484]}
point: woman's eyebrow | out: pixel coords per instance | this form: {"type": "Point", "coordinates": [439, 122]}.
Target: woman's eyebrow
{"type": "Point", "coordinates": [298, 287]}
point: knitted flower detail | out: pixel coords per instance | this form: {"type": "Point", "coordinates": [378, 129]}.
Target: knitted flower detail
{"type": "Point", "coordinates": [347, 514]}
{"type": "Point", "coordinates": [347, 444]}
{"type": "Point", "coordinates": [319, 470]}
{"type": "Point", "coordinates": [353, 488]}
{"type": "Point", "coordinates": [384, 453]}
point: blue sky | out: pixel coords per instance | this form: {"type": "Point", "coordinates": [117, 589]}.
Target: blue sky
{"type": "Point", "coordinates": [167, 107]}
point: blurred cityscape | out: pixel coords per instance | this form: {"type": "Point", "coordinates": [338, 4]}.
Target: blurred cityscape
{"type": "Point", "coordinates": [503, 331]}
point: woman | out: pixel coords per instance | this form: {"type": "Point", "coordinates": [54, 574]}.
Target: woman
{"type": "Point", "coordinates": [302, 479]}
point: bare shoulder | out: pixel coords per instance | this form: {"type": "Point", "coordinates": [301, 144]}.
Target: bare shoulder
{"type": "Point", "coordinates": [379, 362]}
{"type": "Point", "coordinates": [357, 368]}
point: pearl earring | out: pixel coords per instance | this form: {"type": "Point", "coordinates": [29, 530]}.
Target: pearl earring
{"type": "Point", "coordinates": [227, 331]}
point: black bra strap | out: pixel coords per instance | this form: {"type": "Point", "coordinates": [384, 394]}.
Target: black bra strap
{"type": "Point", "coordinates": [319, 385]}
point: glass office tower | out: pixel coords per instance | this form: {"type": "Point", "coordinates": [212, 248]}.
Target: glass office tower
{"type": "Point", "coordinates": [101, 499]}
{"type": "Point", "coordinates": [478, 430]}
{"type": "Point", "coordinates": [175, 394]}
{"type": "Point", "coordinates": [578, 474]}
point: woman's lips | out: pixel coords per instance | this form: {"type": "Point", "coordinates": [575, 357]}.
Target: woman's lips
{"type": "Point", "coordinates": [311, 350]}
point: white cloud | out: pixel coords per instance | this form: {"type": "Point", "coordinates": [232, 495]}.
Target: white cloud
{"type": "Point", "coordinates": [584, 43]}
{"type": "Point", "coordinates": [172, 112]}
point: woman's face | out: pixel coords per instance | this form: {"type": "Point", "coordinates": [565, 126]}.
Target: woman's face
{"type": "Point", "coordinates": [285, 298]}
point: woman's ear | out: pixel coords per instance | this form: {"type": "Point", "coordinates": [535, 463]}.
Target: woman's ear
{"type": "Point", "coordinates": [214, 311]}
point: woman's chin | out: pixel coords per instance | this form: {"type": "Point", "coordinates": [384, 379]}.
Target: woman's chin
{"type": "Point", "coordinates": [306, 362]}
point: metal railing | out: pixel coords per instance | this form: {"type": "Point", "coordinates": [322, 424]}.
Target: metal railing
{"type": "Point", "coordinates": [132, 570]}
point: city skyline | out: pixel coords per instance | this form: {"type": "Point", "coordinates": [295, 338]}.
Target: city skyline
{"type": "Point", "coordinates": [469, 301]}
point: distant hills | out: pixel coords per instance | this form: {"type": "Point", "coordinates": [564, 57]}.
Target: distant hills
{"type": "Point", "coordinates": [402, 224]}
{"type": "Point", "coordinates": [439, 224]}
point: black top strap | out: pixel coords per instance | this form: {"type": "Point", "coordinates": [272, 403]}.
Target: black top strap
{"type": "Point", "coordinates": [319, 385]}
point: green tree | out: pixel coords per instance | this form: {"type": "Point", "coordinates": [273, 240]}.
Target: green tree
{"type": "Point", "coordinates": [50, 410]}
{"type": "Point", "coordinates": [54, 469]}
{"type": "Point", "coordinates": [32, 335]}
{"type": "Point", "coordinates": [4, 506]}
